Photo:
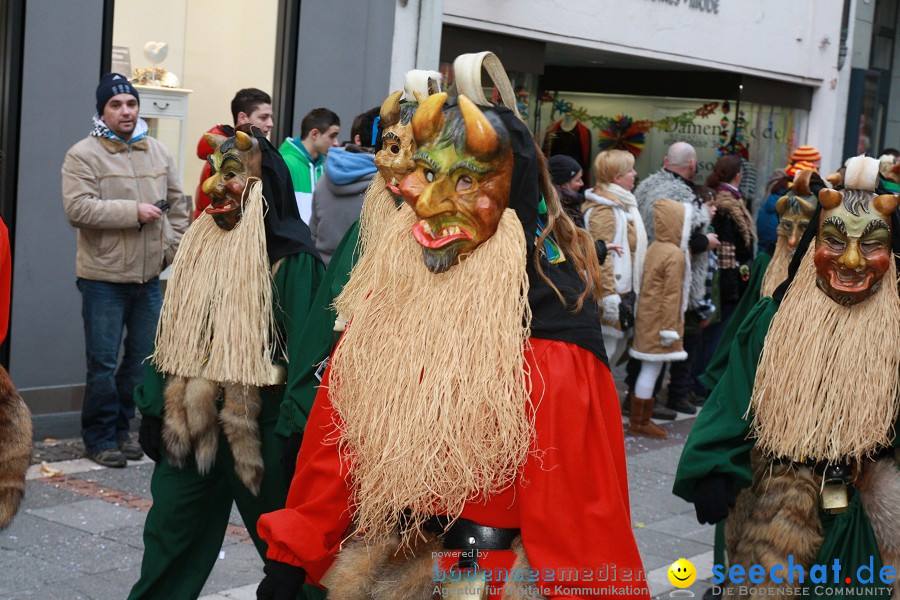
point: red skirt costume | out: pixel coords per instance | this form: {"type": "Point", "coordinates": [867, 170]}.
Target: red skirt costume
{"type": "Point", "coordinates": [570, 502]}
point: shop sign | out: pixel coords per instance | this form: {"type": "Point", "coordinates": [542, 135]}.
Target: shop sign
{"type": "Point", "coordinates": [707, 6]}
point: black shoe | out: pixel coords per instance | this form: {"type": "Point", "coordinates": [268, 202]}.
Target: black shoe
{"type": "Point", "coordinates": [110, 457]}
{"type": "Point", "coordinates": [696, 399]}
{"type": "Point", "coordinates": [663, 413]}
{"type": "Point", "coordinates": [131, 449]}
{"type": "Point", "coordinates": [682, 406]}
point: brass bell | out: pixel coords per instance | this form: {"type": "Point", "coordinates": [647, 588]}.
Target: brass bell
{"type": "Point", "coordinates": [834, 498]}
{"type": "Point", "coordinates": [834, 495]}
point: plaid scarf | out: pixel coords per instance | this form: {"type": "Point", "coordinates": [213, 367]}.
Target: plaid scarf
{"type": "Point", "coordinates": [101, 130]}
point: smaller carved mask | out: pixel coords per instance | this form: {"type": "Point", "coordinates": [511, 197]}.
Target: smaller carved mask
{"type": "Point", "coordinates": [235, 161]}
{"type": "Point", "coordinates": [460, 186]}
{"type": "Point", "coordinates": [853, 244]}
{"type": "Point", "coordinates": [395, 159]}
{"type": "Point", "coordinates": [794, 212]}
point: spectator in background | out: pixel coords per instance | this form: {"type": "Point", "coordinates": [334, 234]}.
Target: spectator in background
{"type": "Point", "coordinates": [305, 156]}
{"type": "Point", "coordinates": [339, 193]}
{"type": "Point", "coordinates": [249, 105]}
{"type": "Point", "coordinates": [767, 218]}
{"type": "Point", "coordinates": [611, 213]}
{"type": "Point", "coordinates": [675, 181]}
{"type": "Point", "coordinates": [734, 227]}
{"type": "Point", "coordinates": [567, 177]}
{"type": "Point", "coordinates": [659, 323]}
{"type": "Point", "coordinates": [117, 185]}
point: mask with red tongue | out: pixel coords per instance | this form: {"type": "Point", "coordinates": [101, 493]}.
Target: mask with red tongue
{"type": "Point", "coordinates": [235, 161]}
{"type": "Point", "coordinates": [460, 185]}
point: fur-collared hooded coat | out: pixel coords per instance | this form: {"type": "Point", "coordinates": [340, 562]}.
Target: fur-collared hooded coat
{"type": "Point", "coordinates": [665, 184]}
{"type": "Point", "coordinates": [663, 300]}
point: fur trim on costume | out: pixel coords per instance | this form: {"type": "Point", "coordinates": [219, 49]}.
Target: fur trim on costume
{"type": "Point", "coordinates": [737, 211]}
{"type": "Point", "coordinates": [775, 517]}
{"type": "Point", "coordinates": [880, 495]}
{"type": "Point", "coordinates": [15, 448]}
{"type": "Point", "coordinates": [175, 434]}
{"type": "Point", "coordinates": [667, 357]}
{"type": "Point", "coordinates": [200, 411]}
{"type": "Point", "coordinates": [386, 571]}
{"type": "Point", "coordinates": [239, 418]}
{"type": "Point", "coordinates": [521, 590]}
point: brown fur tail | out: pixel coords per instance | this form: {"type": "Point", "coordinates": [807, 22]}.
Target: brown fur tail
{"type": "Point", "coordinates": [200, 411]}
{"type": "Point", "coordinates": [175, 434]}
{"type": "Point", "coordinates": [880, 494]}
{"type": "Point", "coordinates": [15, 448]}
{"type": "Point", "coordinates": [239, 422]}
{"type": "Point", "coordinates": [775, 517]}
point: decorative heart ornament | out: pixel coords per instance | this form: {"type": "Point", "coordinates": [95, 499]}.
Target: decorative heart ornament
{"type": "Point", "coordinates": [156, 51]}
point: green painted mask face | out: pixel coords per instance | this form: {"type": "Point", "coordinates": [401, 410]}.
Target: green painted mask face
{"type": "Point", "coordinates": [853, 245]}
{"type": "Point", "coordinates": [234, 162]}
{"type": "Point", "coordinates": [794, 213]}
{"type": "Point", "coordinates": [460, 185]}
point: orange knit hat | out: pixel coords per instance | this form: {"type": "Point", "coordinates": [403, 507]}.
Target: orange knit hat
{"type": "Point", "coordinates": [802, 165]}
{"type": "Point", "coordinates": [806, 153]}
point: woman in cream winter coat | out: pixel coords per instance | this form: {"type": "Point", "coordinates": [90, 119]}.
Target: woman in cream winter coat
{"type": "Point", "coordinates": [611, 214]}
{"type": "Point", "coordinates": [659, 323]}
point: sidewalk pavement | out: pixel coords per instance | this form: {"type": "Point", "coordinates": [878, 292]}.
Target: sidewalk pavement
{"type": "Point", "coordinates": [78, 534]}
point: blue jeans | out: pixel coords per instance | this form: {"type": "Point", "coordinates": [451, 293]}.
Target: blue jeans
{"type": "Point", "coordinates": [109, 310]}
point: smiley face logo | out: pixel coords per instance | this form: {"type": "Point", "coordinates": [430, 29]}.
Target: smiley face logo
{"type": "Point", "coordinates": [682, 573]}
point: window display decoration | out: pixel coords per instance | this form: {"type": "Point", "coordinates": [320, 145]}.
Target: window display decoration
{"type": "Point", "coordinates": [624, 132]}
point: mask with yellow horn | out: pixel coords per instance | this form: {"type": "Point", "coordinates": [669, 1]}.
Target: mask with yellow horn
{"type": "Point", "coordinates": [235, 160]}
{"type": "Point", "coordinates": [461, 181]}
{"type": "Point", "coordinates": [395, 158]}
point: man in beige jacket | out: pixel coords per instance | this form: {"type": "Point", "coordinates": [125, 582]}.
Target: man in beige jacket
{"type": "Point", "coordinates": [122, 194]}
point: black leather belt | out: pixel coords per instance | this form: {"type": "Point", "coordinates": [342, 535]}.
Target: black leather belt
{"type": "Point", "coordinates": [464, 534]}
{"type": "Point", "coordinates": [469, 535]}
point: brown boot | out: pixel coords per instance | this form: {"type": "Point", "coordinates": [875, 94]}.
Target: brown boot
{"type": "Point", "coordinates": [640, 424]}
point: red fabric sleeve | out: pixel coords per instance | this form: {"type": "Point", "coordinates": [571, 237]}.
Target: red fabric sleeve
{"type": "Point", "coordinates": [573, 496]}
{"type": "Point", "coordinates": [5, 280]}
{"type": "Point", "coordinates": [308, 531]}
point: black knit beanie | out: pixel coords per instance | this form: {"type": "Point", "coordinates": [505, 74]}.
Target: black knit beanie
{"type": "Point", "coordinates": [563, 168]}
{"type": "Point", "coordinates": [110, 85]}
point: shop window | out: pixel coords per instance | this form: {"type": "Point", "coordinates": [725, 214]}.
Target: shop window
{"type": "Point", "coordinates": [648, 125]}
{"type": "Point", "coordinates": [212, 49]}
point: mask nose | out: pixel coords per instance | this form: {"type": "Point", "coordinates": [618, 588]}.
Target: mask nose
{"type": "Point", "coordinates": [851, 257]}
{"type": "Point", "coordinates": [213, 188]}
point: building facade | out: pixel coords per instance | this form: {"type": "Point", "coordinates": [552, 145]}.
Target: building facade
{"type": "Point", "coordinates": [762, 76]}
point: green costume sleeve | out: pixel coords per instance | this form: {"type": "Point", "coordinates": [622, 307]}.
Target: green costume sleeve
{"type": "Point", "coordinates": [719, 360]}
{"type": "Point", "coordinates": [297, 281]}
{"type": "Point", "coordinates": [718, 440]}
{"type": "Point", "coordinates": [315, 340]}
{"type": "Point", "coordinates": [148, 396]}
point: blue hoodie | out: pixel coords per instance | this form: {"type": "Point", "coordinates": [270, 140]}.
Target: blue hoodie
{"type": "Point", "coordinates": [345, 167]}
{"type": "Point", "coordinates": [338, 198]}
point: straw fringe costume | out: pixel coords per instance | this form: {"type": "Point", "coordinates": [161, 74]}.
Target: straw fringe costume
{"type": "Point", "coordinates": [798, 202]}
{"type": "Point", "coordinates": [788, 431]}
{"type": "Point", "coordinates": [186, 525]}
{"type": "Point", "coordinates": [344, 524]}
